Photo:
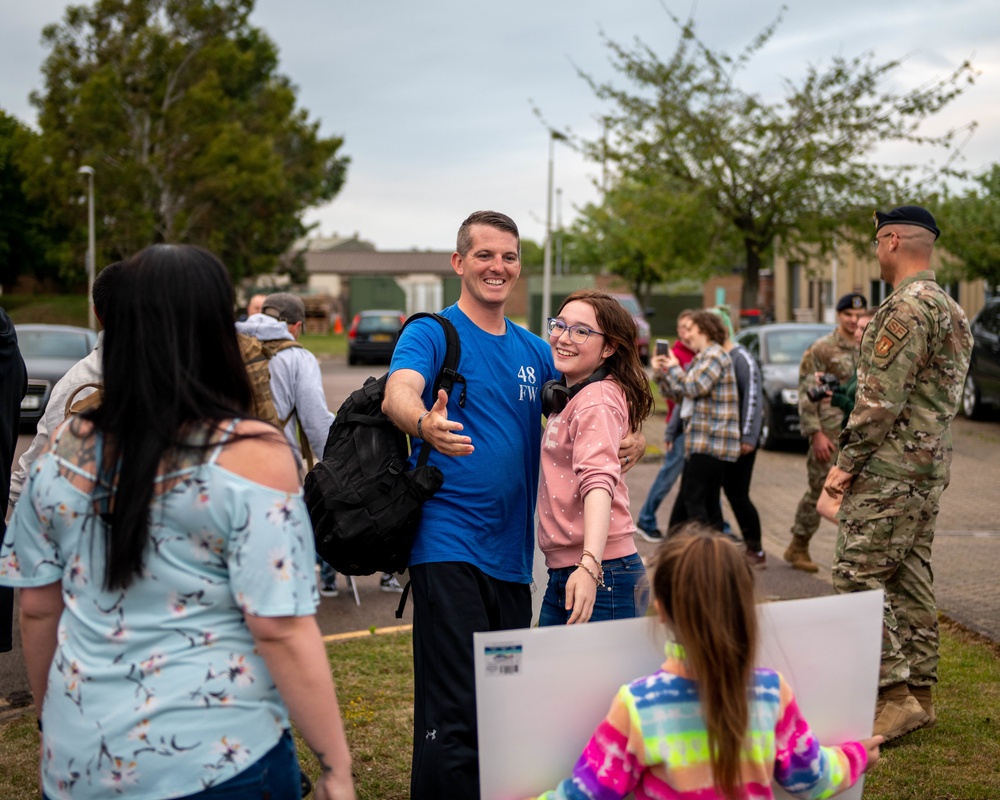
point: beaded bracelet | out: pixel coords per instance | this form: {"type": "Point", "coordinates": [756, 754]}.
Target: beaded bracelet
{"type": "Point", "coordinates": [596, 559]}
{"type": "Point", "coordinates": [598, 579]}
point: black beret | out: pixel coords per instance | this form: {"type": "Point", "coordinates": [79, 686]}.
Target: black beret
{"type": "Point", "coordinates": [906, 215]}
{"type": "Point", "coordinates": [852, 300]}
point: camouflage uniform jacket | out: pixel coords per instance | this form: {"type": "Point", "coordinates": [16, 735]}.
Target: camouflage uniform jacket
{"type": "Point", "coordinates": [829, 354]}
{"type": "Point", "coordinates": [914, 357]}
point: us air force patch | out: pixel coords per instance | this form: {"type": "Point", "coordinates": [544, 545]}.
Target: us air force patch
{"type": "Point", "coordinates": [884, 346]}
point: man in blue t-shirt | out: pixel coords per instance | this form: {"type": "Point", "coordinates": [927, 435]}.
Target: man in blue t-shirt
{"type": "Point", "coordinates": [470, 568]}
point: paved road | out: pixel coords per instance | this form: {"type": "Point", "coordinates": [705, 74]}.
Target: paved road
{"type": "Point", "coordinates": [966, 550]}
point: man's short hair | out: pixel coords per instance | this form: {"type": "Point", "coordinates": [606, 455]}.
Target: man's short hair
{"type": "Point", "coordinates": [104, 285]}
{"type": "Point", "coordinates": [491, 219]}
{"type": "Point", "coordinates": [284, 306]}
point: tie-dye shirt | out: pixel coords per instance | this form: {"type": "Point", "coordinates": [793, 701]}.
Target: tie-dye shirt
{"type": "Point", "coordinates": [653, 742]}
{"type": "Point", "coordinates": [157, 691]}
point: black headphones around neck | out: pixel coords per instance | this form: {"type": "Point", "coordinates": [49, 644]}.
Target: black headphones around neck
{"type": "Point", "coordinates": [556, 394]}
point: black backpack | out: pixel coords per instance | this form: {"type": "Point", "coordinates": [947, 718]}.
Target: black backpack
{"type": "Point", "coordinates": [363, 499]}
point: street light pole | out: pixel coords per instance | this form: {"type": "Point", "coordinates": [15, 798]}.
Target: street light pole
{"type": "Point", "coordinates": [89, 172]}
{"type": "Point", "coordinates": [554, 136]}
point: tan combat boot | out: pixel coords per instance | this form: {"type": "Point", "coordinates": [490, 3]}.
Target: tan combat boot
{"type": "Point", "coordinates": [900, 713]}
{"type": "Point", "coordinates": [797, 555]}
{"type": "Point", "coordinates": [923, 695]}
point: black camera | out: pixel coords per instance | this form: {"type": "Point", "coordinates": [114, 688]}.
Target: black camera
{"type": "Point", "coordinates": [828, 384]}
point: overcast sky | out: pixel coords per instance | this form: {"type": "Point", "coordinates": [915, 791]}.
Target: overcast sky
{"type": "Point", "coordinates": [435, 99]}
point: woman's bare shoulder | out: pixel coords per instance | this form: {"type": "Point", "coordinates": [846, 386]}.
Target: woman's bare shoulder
{"type": "Point", "coordinates": [261, 453]}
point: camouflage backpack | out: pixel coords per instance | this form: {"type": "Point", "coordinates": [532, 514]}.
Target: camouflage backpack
{"type": "Point", "coordinates": [256, 355]}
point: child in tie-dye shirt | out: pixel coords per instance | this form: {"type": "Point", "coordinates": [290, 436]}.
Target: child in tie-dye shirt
{"type": "Point", "coordinates": [708, 724]}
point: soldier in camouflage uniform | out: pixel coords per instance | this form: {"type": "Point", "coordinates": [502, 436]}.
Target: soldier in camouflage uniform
{"type": "Point", "coordinates": [834, 354]}
{"type": "Point", "coordinates": [895, 462]}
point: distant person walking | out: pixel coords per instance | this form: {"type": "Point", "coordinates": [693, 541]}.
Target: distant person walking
{"type": "Point", "coordinates": [673, 437]}
{"type": "Point", "coordinates": [895, 461]}
{"type": "Point", "coordinates": [738, 475]}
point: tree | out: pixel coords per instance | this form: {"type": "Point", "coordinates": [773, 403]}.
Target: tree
{"type": "Point", "coordinates": [193, 134]}
{"type": "Point", "coordinates": [28, 243]}
{"type": "Point", "coordinates": [794, 169]}
{"type": "Point", "coordinates": [972, 224]}
{"type": "Point", "coordinates": [649, 230]}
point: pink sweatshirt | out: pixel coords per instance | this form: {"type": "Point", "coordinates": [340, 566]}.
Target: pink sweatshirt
{"type": "Point", "coordinates": [579, 454]}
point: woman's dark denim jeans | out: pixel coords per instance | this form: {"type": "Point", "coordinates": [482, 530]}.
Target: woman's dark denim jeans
{"type": "Point", "coordinates": [626, 593]}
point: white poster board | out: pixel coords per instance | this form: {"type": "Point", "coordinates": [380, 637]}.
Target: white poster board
{"type": "Point", "coordinates": [540, 692]}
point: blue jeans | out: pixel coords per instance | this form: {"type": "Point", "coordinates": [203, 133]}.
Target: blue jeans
{"type": "Point", "coordinates": [626, 593]}
{"type": "Point", "coordinates": [327, 574]}
{"type": "Point", "coordinates": [274, 776]}
{"type": "Point", "coordinates": [670, 471]}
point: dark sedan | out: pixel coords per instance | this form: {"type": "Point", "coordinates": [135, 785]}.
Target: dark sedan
{"type": "Point", "coordinates": [48, 352]}
{"type": "Point", "coordinates": [982, 384]}
{"type": "Point", "coordinates": [778, 349]}
{"type": "Point", "coordinates": [372, 335]}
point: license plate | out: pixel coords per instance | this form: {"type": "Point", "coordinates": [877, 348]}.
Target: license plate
{"type": "Point", "coordinates": [380, 337]}
{"type": "Point", "coordinates": [31, 402]}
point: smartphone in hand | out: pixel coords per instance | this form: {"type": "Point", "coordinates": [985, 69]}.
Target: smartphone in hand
{"type": "Point", "coordinates": [662, 347]}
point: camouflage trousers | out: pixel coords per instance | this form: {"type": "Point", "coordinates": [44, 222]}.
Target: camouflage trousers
{"type": "Point", "coordinates": [806, 519]}
{"type": "Point", "coordinates": [884, 542]}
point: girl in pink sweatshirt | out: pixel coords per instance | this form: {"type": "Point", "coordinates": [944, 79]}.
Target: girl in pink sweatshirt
{"type": "Point", "coordinates": [585, 528]}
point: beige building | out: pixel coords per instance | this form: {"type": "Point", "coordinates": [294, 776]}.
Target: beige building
{"type": "Point", "coordinates": [807, 291]}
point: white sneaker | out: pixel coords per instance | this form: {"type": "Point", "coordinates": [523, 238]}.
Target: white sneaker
{"type": "Point", "coordinates": [329, 590]}
{"type": "Point", "coordinates": [388, 583]}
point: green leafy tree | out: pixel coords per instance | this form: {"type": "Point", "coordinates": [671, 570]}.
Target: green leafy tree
{"type": "Point", "coordinates": [794, 169]}
{"type": "Point", "coordinates": [193, 134]}
{"type": "Point", "coordinates": [28, 238]}
{"type": "Point", "coordinates": [648, 229]}
{"type": "Point", "coordinates": [972, 223]}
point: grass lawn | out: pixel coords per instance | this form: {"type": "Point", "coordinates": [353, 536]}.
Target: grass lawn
{"type": "Point", "coordinates": [54, 309]}
{"type": "Point", "coordinates": [958, 759]}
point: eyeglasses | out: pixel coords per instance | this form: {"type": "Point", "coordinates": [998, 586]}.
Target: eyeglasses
{"type": "Point", "coordinates": [876, 240]}
{"type": "Point", "coordinates": [577, 333]}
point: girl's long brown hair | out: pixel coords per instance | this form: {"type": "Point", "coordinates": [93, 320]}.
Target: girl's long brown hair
{"type": "Point", "coordinates": [624, 365]}
{"type": "Point", "coordinates": [706, 589]}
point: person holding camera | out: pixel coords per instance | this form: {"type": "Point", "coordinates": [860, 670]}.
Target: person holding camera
{"type": "Point", "coordinates": [833, 355]}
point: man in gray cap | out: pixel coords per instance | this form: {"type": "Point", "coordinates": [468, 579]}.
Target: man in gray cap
{"type": "Point", "coordinates": [895, 462]}
{"type": "Point", "coordinates": [296, 386]}
{"type": "Point", "coordinates": [296, 382]}
{"type": "Point", "coordinates": [833, 354]}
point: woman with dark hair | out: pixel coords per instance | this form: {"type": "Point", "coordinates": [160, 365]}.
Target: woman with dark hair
{"type": "Point", "coordinates": [165, 560]}
{"type": "Point", "coordinates": [585, 528]}
{"type": "Point", "coordinates": [710, 413]}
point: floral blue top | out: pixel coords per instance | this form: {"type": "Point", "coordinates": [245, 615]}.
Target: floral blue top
{"type": "Point", "coordinates": [156, 691]}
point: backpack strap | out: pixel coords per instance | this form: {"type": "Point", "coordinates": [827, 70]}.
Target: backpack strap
{"type": "Point", "coordinates": [448, 375]}
{"type": "Point", "coordinates": [74, 406]}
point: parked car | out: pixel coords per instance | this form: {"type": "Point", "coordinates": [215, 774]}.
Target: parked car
{"type": "Point", "coordinates": [372, 336]}
{"type": "Point", "coordinates": [631, 305]}
{"type": "Point", "coordinates": [48, 352]}
{"type": "Point", "coordinates": [778, 348]}
{"type": "Point", "coordinates": [982, 384]}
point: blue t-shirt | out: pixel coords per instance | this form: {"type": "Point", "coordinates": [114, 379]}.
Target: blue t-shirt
{"type": "Point", "coordinates": [484, 513]}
